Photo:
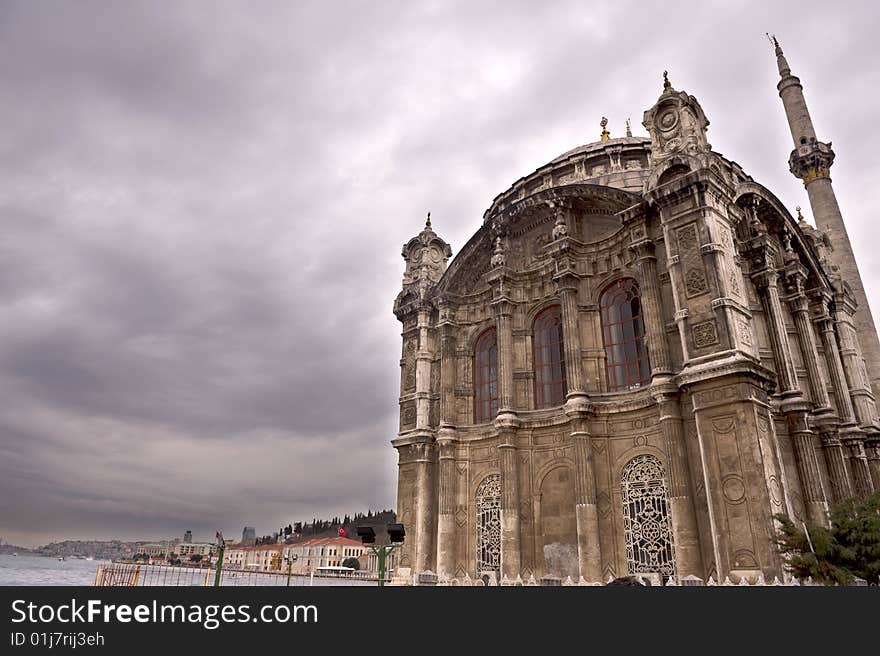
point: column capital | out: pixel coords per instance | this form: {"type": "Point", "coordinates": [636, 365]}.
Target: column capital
{"type": "Point", "coordinates": [503, 306]}
{"type": "Point", "coordinates": [578, 406]}
{"type": "Point", "coordinates": [643, 249]}
{"type": "Point", "coordinates": [567, 281]}
{"type": "Point", "coordinates": [765, 278]}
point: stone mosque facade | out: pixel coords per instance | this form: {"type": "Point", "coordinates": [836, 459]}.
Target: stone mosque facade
{"type": "Point", "coordinates": [636, 361]}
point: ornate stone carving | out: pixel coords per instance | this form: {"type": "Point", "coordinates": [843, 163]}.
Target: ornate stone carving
{"type": "Point", "coordinates": [687, 238]}
{"type": "Point", "coordinates": [498, 259]}
{"type": "Point", "coordinates": [745, 332]}
{"type": "Point", "coordinates": [695, 282]}
{"type": "Point", "coordinates": [705, 334]}
{"type": "Point", "coordinates": [677, 125]}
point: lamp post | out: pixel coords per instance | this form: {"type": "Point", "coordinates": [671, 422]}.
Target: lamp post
{"type": "Point", "coordinates": [396, 534]}
{"type": "Point", "coordinates": [221, 547]}
{"type": "Point", "coordinates": [290, 559]}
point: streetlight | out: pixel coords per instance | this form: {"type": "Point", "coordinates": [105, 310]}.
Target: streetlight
{"type": "Point", "coordinates": [396, 535]}
{"type": "Point", "coordinates": [290, 560]}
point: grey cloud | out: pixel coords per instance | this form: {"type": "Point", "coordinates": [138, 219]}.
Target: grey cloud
{"type": "Point", "coordinates": [202, 213]}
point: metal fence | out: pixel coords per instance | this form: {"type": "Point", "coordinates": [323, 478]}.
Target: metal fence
{"type": "Point", "coordinates": [143, 574]}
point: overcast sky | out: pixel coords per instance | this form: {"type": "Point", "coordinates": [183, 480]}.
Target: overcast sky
{"type": "Point", "coordinates": [202, 207]}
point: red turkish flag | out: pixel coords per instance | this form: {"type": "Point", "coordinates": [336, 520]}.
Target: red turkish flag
{"type": "Point", "coordinates": [341, 532]}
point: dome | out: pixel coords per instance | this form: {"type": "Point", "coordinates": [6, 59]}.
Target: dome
{"type": "Point", "coordinates": [618, 163]}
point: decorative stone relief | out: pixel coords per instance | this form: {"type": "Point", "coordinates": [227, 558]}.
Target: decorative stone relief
{"type": "Point", "coordinates": [745, 332]}
{"type": "Point", "coordinates": [408, 416]}
{"type": "Point", "coordinates": [705, 334]}
{"type": "Point", "coordinates": [733, 279]}
{"type": "Point", "coordinates": [695, 283]}
{"type": "Point", "coordinates": [687, 238]}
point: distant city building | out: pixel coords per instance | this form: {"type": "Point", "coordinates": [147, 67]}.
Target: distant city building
{"type": "Point", "coordinates": [264, 558]}
{"type": "Point", "coordinates": [188, 537]}
{"type": "Point", "coordinates": [188, 549]}
{"type": "Point", "coordinates": [309, 555]}
{"type": "Point", "coordinates": [249, 536]}
{"type": "Point", "coordinates": [325, 552]}
{"type": "Point", "coordinates": [155, 550]}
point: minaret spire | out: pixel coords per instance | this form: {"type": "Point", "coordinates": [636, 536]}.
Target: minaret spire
{"type": "Point", "coordinates": [811, 161]}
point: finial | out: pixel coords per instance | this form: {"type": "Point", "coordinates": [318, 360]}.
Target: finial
{"type": "Point", "coordinates": [800, 216]}
{"type": "Point", "coordinates": [497, 259]}
{"type": "Point", "coordinates": [428, 221]}
{"type": "Point", "coordinates": [666, 84]}
{"type": "Point", "coordinates": [605, 136]}
{"type": "Point", "coordinates": [629, 131]}
{"type": "Point", "coordinates": [773, 40]}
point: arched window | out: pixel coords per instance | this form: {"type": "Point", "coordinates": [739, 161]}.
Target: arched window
{"type": "Point", "coordinates": [624, 333]}
{"type": "Point", "coordinates": [549, 351]}
{"type": "Point", "coordinates": [486, 377]}
{"type": "Point", "coordinates": [489, 525]}
{"type": "Point", "coordinates": [646, 524]}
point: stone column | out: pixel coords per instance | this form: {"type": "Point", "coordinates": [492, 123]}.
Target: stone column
{"type": "Point", "coordinates": [847, 430]}
{"type": "Point", "coordinates": [808, 468]}
{"type": "Point", "coordinates": [506, 424]}
{"type": "Point", "coordinates": [649, 288]}
{"type": "Point", "coordinates": [848, 340]}
{"type": "Point", "coordinates": [424, 505]}
{"type": "Point", "coordinates": [446, 516]}
{"type": "Point", "coordinates": [577, 408]}
{"type": "Point", "coordinates": [793, 405]}
{"type": "Point", "coordinates": [766, 282]}
{"type": "Point", "coordinates": [567, 285]}
{"type": "Point", "coordinates": [586, 512]}
{"type": "Point", "coordinates": [858, 463]}
{"type": "Point", "coordinates": [815, 498]}
{"type": "Point", "coordinates": [872, 448]}
{"type": "Point", "coordinates": [835, 461]}
{"type": "Point", "coordinates": [446, 438]}
{"type": "Point", "coordinates": [504, 331]}
{"type": "Point", "coordinates": [686, 535]}
{"type": "Point", "coordinates": [424, 358]}
{"type": "Point", "coordinates": [510, 539]}
{"type": "Point", "coordinates": [799, 306]}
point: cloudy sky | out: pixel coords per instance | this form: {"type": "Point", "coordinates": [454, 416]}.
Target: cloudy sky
{"type": "Point", "coordinates": [202, 206]}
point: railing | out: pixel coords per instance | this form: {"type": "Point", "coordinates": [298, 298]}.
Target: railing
{"type": "Point", "coordinates": [144, 574]}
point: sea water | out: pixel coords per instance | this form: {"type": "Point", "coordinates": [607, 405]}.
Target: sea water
{"type": "Point", "coordinates": [37, 570]}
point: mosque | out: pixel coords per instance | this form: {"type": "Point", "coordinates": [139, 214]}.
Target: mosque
{"type": "Point", "coordinates": [637, 360]}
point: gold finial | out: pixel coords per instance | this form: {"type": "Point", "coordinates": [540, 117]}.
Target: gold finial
{"type": "Point", "coordinates": [666, 84]}
{"type": "Point", "coordinates": [428, 221]}
{"type": "Point", "coordinates": [629, 131]}
{"type": "Point", "coordinates": [605, 136]}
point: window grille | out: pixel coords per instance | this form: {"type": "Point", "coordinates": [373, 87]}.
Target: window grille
{"type": "Point", "coordinates": [649, 545]}
{"type": "Point", "coordinates": [489, 525]}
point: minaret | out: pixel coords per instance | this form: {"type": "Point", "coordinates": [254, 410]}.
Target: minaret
{"type": "Point", "coordinates": [811, 162]}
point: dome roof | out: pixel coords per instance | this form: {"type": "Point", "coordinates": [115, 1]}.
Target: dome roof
{"type": "Point", "coordinates": [619, 163]}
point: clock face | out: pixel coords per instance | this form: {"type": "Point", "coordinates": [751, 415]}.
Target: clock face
{"type": "Point", "coordinates": [668, 120]}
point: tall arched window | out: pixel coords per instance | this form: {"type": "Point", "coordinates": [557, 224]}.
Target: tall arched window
{"type": "Point", "coordinates": [646, 524]}
{"type": "Point", "coordinates": [486, 377]}
{"type": "Point", "coordinates": [549, 351]}
{"type": "Point", "coordinates": [623, 330]}
{"type": "Point", "coordinates": [488, 503]}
